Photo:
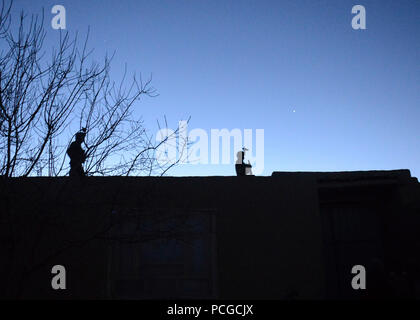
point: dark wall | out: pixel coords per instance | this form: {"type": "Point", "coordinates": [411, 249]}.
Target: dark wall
{"type": "Point", "coordinates": [268, 232]}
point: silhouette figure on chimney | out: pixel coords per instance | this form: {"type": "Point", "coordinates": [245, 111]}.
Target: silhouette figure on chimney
{"type": "Point", "coordinates": [77, 155]}
{"type": "Point", "coordinates": [242, 169]}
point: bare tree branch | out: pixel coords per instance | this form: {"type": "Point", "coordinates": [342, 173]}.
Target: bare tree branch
{"type": "Point", "coordinates": [41, 98]}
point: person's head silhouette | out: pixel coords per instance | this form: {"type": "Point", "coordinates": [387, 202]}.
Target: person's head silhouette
{"type": "Point", "coordinates": [80, 136]}
{"type": "Point", "coordinates": [240, 157]}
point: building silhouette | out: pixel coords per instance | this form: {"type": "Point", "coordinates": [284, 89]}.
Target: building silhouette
{"type": "Point", "coordinates": [292, 235]}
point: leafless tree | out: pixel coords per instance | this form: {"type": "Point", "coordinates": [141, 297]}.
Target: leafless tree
{"type": "Point", "coordinates": [44, 98]}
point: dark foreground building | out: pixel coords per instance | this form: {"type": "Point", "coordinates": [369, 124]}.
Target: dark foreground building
{"type": "Point", "coordinates": [293, 235]}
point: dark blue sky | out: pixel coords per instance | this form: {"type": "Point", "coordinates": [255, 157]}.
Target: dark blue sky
{"type": "Point", "coordinates": [328, 97]}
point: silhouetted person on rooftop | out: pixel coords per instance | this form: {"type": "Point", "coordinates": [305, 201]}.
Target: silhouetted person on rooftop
{"type": "Point", "coordinates": [242, 169]}
{"type": "Point", "coordinates": [77, 155]}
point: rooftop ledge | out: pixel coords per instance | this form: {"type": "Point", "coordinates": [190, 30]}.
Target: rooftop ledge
{"type": "Point", "coordinates": [399, 174]}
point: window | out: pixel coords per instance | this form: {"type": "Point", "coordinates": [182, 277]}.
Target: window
{"type": "Point", "coordinates": [164, 253]}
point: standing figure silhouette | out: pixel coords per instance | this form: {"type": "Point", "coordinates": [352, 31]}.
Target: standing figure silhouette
{"type": "Point", "coordinates": [77, 155]}
{"type": "Point", "coordinates": [242, 169]}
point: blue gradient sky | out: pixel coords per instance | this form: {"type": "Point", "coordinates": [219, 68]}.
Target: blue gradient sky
{"type": "Point", "coordinates": [249, 64]}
